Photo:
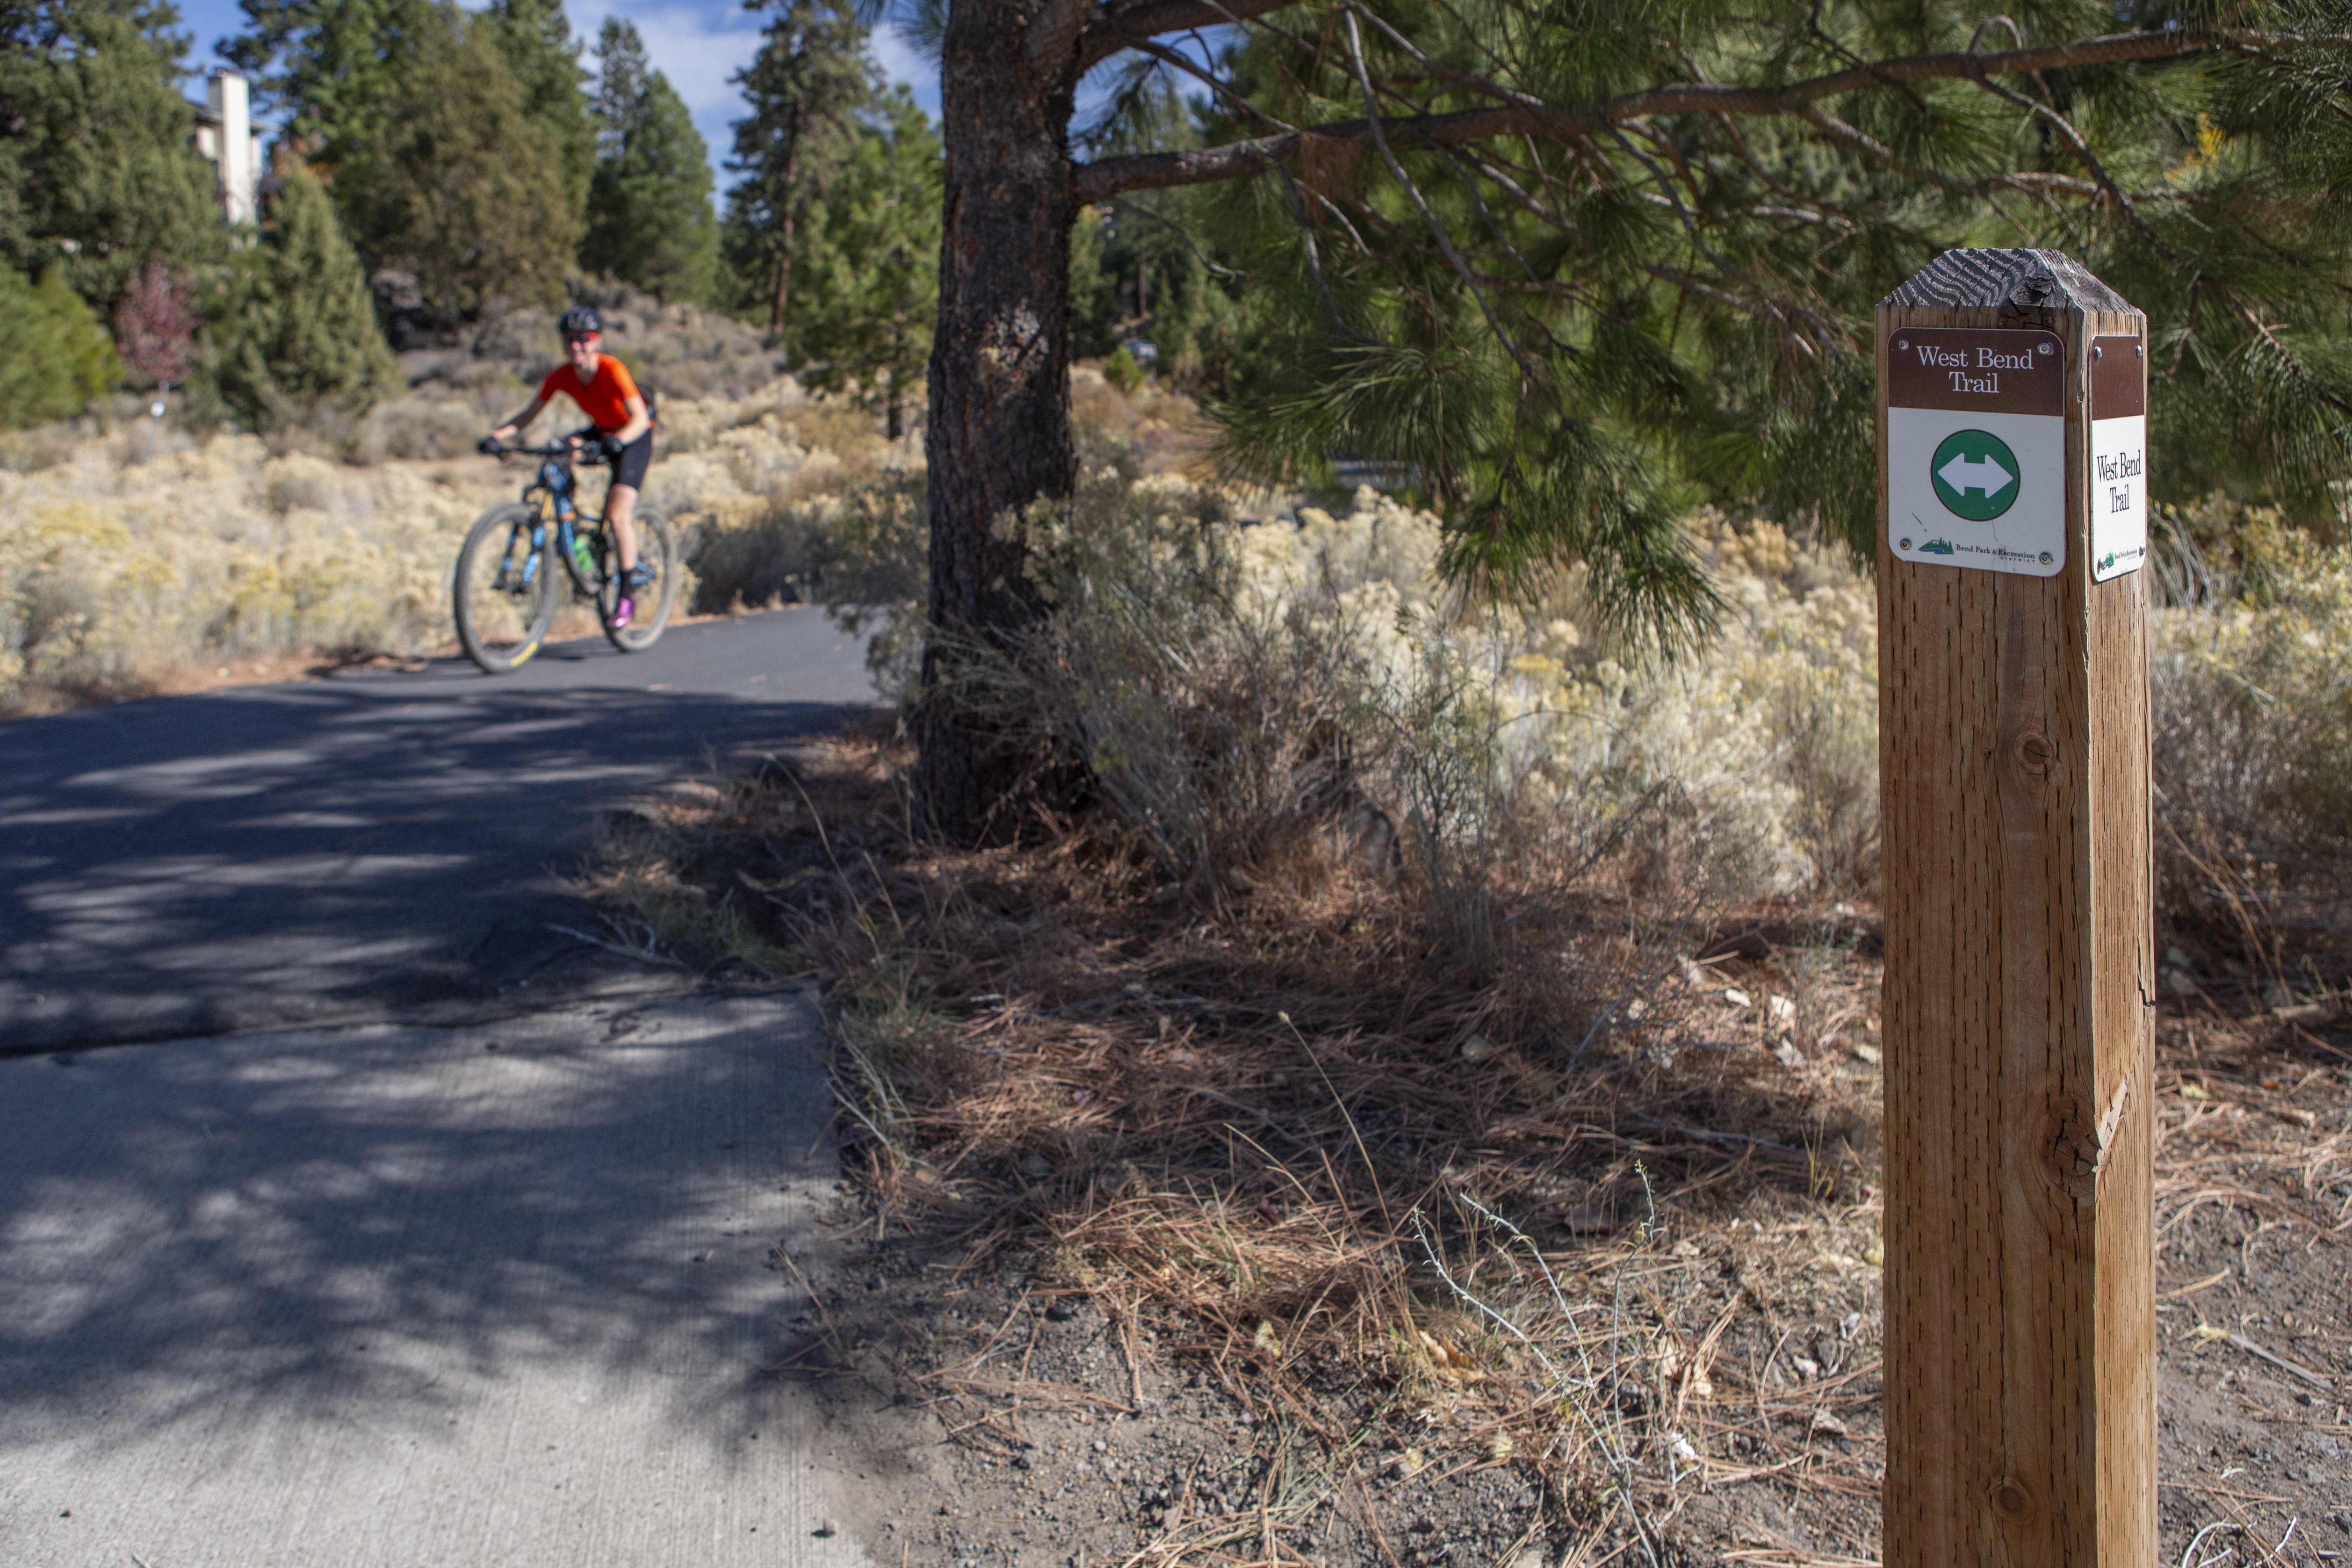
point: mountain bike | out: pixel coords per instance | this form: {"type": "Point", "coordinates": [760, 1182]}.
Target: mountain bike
{"type": "Point", "coordinates": [518, 561]}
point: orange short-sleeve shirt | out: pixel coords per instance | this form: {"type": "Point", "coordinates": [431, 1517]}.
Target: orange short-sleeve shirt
{"type": "Point", "coordinates": [604, 398]}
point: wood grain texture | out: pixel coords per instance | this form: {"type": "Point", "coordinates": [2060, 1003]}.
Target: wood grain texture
{"type": "Point", "coordinates": [2020, 1298]}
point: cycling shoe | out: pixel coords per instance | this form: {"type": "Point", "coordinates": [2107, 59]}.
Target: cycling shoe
{"type": "Point", "coordinates": [621, 611]}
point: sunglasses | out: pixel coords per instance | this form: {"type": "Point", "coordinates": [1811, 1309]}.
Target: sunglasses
{"type": "Point", "coordinates": [578, 338]}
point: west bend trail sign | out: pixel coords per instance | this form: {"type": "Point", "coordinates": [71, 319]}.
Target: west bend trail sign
{"type": "Point", "coordinates": [1975, 449]}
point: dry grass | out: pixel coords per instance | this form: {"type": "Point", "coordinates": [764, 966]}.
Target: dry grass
{"type": "Point", "coordinates": [122, 571]}
{"type": "Point", "coordinates": [137, 560]}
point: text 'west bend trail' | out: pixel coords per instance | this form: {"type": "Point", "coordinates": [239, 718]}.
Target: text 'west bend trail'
{"type": "Point", "coordinates": [1979, 377]}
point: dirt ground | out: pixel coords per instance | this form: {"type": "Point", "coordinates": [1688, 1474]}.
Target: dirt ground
{"type": "Point", "coordinates": [1071, 1435]}
{"type": "Point", "coordinates": [1222, 1358]}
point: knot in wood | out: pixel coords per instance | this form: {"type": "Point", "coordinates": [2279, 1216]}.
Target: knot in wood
{"type": "Point", "coordinates": [2011, 1499]}
{"type": "Point", "coordinates": [2079, 1144]}
{"type": "Point", "coordinates": [2035, 753]}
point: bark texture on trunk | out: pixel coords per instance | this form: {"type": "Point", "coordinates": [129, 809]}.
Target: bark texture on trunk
{"type": "Point", "coordinates": [784, 229]}
{"type": "Point", "coordinates": [999, 437]}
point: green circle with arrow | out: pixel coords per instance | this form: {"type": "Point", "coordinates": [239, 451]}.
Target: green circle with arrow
{"type": "Point", "coordinates": [1975, 474]}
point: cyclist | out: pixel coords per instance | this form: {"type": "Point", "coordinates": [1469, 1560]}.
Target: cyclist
{"type": "Point", "coordinates": [622, 429]}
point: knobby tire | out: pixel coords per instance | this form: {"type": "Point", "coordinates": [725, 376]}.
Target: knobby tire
{"type": "Point", "coordinates": [502, 603]}
{"type": "Point", "coordinates": [656, 600]}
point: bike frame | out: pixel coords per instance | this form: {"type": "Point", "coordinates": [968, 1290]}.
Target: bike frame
{"type": "Point", "coordinates": [554, 484]}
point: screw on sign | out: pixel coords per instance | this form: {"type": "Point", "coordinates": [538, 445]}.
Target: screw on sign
{"type": "Point", "coordinates": [2013, 721]}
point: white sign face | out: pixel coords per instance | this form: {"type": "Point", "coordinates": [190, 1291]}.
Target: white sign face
{"type": "Point", "coordinates": [1975, 449]}
{"type": "Point", "coordinates": [1977, 488]}
{"type": "Point", "coordinates": [2118, 496]}
{"type": "Point", "coordinates": [2119, 478]}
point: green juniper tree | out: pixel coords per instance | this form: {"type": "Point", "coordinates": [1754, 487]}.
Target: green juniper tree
{"type": "Point", "coordinates": [296, 330]}
{"type": "Point", "coordinates": [870, 263]}
{"type": "Point", "coordinates": [804, 91]}
{"type": "Point", "coordinates": [459, 185]}
{"type": "Point", "coordinates": [1575, 266]}
{"type": "Point", "coordinates": [55, 358]}
{"type": "Point", "coordinates": [649, 216]}
{"type": "Point", "coordinates": [97, 174]}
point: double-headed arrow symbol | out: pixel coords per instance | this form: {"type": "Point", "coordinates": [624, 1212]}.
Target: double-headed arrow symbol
{"type": "Point", "coordinates": [1963, 474]}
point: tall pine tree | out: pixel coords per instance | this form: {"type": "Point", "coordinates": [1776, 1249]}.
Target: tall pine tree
{"type": "Point", "coordinates": [870, 267]}
{"type": "Point", "coordinates": [805, 88]}
{"type": "Point", "coordinates": [298, 331]}
{"type": "Point", "coordinates": [649, 217]}
{"type": "Point", "coordinates": [97, 175]}
{"type": "Point", "coordinates": [332, 67]}
{"type": "Point", "coordinates": [535, 38]}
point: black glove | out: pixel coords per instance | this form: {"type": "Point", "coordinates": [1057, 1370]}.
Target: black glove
{"type": "Point", "coordinates": [489, 445]}
{"type": "Point", "coordinates": [610, 444]}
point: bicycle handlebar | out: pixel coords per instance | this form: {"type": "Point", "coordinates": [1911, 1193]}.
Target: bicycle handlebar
{"type": "Point", "coordinates": [587, 452]}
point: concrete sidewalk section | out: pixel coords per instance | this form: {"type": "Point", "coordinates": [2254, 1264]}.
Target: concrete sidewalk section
{"type": "Point", "coordinates": [406, 1297]}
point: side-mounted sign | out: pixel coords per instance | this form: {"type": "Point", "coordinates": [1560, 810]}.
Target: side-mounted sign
{"type": "Point", "coordinates": [1975, 449]}
{"type": "Point", "coordinates": [2118, 457]}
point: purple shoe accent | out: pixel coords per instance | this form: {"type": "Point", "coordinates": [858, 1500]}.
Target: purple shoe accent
{"type": "Point", "coordinates": [621, 612]}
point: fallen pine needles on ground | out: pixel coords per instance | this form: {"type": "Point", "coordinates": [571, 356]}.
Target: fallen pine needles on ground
{"type": "Point", "coordinates": [1355, 1191]}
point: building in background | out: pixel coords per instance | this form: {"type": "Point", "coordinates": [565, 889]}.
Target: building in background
{"type": "Point", "coordinates": [226, 135]}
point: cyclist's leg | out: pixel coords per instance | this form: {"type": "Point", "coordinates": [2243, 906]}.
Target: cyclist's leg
{"type": "Point", "coordinates": [621, 502]}
{"type": "Point", "coordinates": [620, 506]}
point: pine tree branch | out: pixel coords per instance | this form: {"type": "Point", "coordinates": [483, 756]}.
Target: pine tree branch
{"type": "Point", "coordinates": [1124, 27]}
{"type": "Point", "coordinates": [1314, 251]}
{"type": "Point", "coordinates": [1485, 306]}
{"type": "Point", "coordinates": [1155, 171]}
{"type": "Point", "coordinates": [1238, 102]}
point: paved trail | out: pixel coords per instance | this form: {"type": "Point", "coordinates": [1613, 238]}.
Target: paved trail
{"type": "Point", "coordinates": [497, 1290]}
{"type": "Point", "coordinates": [328, 849]}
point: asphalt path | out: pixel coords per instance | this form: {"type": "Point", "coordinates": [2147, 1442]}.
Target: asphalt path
{"type": "Point", "coordinates": [401, 1228]}
{"type": "Point", "coordinates": [392, 1297]}
{"type": "Point", "coordinates": [363, 845]}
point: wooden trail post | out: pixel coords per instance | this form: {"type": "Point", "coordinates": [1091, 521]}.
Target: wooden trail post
{"type": "Point", "coordinates": [2013, 758]}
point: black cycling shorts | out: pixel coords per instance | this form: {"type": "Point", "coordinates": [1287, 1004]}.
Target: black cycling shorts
{"type": "Point", "coordinates": [629, 468]}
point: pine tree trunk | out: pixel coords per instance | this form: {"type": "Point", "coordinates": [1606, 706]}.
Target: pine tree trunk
{"type": "Point", "coordinates": [999, 437]}
{"type": "Point", "coordinates": [786, 209]}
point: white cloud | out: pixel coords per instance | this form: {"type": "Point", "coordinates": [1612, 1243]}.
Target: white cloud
{"type": "Point", "coordinates": [697, 46]}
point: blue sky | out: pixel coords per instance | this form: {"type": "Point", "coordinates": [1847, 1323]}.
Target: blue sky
{"type": "Point", "coordinates": [697, 44]}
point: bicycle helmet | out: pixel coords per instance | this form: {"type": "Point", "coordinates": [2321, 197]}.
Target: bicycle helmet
{"type": "Point", "coordinates": [579, 318]}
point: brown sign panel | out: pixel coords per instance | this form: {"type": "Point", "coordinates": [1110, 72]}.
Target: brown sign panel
{"type": "Point", "coordinates": [1977, 369]}
{"type": "Point", "coordinates": [2119, 378]}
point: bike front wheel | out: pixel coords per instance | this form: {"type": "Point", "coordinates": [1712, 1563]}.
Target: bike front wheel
{"type": "Point", "coordinates": [653, 600]}
{"type": "Point", "coordinates": [504, 594]}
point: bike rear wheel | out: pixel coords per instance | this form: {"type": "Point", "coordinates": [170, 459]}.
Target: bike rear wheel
{"type": "Point", "coordinates": [653, 600]}
{"type": "Point", "coordinates": [504, 592]}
